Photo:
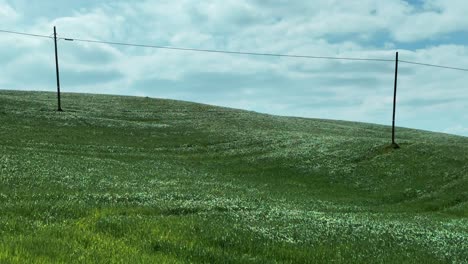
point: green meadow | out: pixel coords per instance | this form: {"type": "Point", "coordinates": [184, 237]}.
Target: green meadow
{"type": "Point", "coordinates": [116, 179]}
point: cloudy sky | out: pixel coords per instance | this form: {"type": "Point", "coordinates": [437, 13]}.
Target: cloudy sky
{"type": "Point", "coordinates": [428, 31]}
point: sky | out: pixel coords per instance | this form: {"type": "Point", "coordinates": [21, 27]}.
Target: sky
{"type": "Point", "coordinates": [426, 31]}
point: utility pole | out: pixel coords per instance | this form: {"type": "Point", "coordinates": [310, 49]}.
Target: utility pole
{"type": "Point", "coordinates": [394, 144]}
{"type": "Point", "coordinates": [59, 107]}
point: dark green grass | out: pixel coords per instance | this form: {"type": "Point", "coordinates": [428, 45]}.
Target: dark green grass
{"type": "Point", "coordinates": [131, 180]}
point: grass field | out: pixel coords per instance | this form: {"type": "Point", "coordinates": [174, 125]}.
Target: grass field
{"type": "Point", "coordinates": [137, 180]}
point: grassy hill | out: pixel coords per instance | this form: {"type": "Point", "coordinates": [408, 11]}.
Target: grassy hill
{"type": "Point", "coordinates": [140, 180]}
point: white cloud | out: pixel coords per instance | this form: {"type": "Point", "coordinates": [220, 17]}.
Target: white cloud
{"type": "Point", "coordinates": [8, 15]}
{"type": "Point", "coordinates": [437, 18]}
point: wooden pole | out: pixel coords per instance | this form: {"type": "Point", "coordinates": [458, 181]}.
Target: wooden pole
{"type": "Point", "coordinates": [59, 107]}
{"type": "Point", "coordinates": [394, 144]}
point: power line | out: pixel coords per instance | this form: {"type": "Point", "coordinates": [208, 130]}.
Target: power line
{"type": "Point", "coordinates": [233, 52]}
{"type": "Point", "coordinates": [25, 34]}
{"type": "Point", "coordinates": [225, 51]}
{"type": "Point", "coordinates": [433, 65]}
{"type": "Point", "coordinates": [204, 50]}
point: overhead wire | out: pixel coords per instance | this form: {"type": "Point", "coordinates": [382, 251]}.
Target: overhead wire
{"type": "Point", "coordinates": [226, 51]}
{"type": "Point", "coordinates": [24, 34]}
{"type": "Point", "coordinates": [232, 52]}
{"type": "Point", "coordinates": [433, 65]}
{"type": "Point", "coordinates": [202, 50]}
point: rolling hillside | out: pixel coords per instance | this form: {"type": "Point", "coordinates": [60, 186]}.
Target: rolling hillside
{"type": "Point", "coordinates": [140, 180]}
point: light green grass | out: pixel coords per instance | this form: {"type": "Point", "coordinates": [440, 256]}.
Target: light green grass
{"type": "Point", "coordinates": [138, 180]}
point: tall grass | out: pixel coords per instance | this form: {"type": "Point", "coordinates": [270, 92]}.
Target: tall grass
{"type": "Point", "coordinates": [137, 180]}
